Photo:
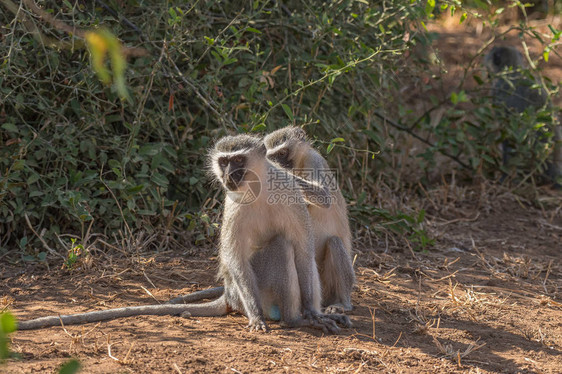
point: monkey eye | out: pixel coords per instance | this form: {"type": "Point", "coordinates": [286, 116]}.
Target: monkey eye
{"type": "Point", "coordinates": [223, 161]}
{"type": "Point", "coordinates": [283, 152]}
{"type": "Point", "coordinates": [238, 159]}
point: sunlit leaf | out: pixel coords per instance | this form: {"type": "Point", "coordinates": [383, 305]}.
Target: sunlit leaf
{"type": "Point", "coordinates": [288, 111]}
{"type": "Point", "coordinates": [103, 44]}
{"type": "Point", "coordinates": [70, 367]}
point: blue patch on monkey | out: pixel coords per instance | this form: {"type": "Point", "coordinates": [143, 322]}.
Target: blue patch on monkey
{"type": "Point", "coordinates": [274, 313]}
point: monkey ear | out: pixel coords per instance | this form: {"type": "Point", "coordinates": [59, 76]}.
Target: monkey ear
{"type": "Point", "coordinates": [300, 134]}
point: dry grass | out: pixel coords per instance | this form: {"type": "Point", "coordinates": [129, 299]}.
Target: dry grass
{"type": "Point", "coordinates": [449, 352]}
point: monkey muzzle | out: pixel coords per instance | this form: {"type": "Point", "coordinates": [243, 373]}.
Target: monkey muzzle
{"type": "Point", "coordinates": [234, 178]}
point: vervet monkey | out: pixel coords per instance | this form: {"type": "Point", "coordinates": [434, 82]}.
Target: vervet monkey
{"type": "Point", "coordinates": [266, 251]}
{"type": "Point", "coordinates": [290, 149]}
{"type": "Point", "coordinates": [514, 91]}
{"type": "Point", "coordinates": [266, 246]}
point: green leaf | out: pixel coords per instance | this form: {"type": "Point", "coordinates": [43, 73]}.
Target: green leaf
{"type": "Point", "coordinates": [477, 79]}
{"type": "Point", "coordinates": [133, 190]}
{"type": "Point", "coordinates": [33, 178]}
{"type": "Point", "coordinates": [149, 150]}
{"type": "Point", "coordinates": [114, 164]}
{"type": "Point", "coordinates": [8, 323]}
{"type": "Point", "coordinates": [101, 45]}
{"type": "Point", "coordinates": [18, 165]}
{"type": "Point", "coordinates": [160, 180]}
{"type": "Point", "coordinates": [488, 159]}
{"type": "Point", "coordinates": [10, 127]}
{"type": "Point", "coordinates": [458, 97]}
{"type": "Point", "coordinates": [454, 98]}
{"type": "Point", "coordinates": [429, 7]}
{"type": "Point", "coordinates": [36, 193]}
{"type": "Point", "coordinates": [70, 367]}
{"type": "Point", "coordinates": [288, 111]}
{"type": "Point", "coordinates": [330, 147]}
{"type": "Point", "coordinates": [259, 126]}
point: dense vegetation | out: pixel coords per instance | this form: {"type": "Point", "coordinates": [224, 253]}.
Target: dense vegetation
{"type": "Point", "coordinates": [82, 165]}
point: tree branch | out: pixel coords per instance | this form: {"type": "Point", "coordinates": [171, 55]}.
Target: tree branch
{"type": "Point", "coordinates": [409, 131]}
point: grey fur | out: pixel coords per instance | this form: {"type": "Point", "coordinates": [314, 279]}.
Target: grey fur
{"type": "Point", "coordinates": [290, 148]}
{"type": "Point", "coordinates": [214, 308]}
{"type": "Point", "coordinates": [513, 89]}
{"type": "Point", "coordinates": [266, 250]}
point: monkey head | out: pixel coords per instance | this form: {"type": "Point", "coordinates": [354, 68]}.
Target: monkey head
{"type": "Point", "coordinates": [502, 57]}
{"type": "Point", "coordinates": [235, 161]}
{"type": "Point", "coordinates": [286, 146]}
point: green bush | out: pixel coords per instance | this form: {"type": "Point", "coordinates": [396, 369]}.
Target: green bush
{"type": "Point", "coordinates": [78, 160]}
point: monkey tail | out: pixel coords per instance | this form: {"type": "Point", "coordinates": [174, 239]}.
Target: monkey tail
{"type": "Point", "coordinates": [213, 308]}
{"type": "Point", "coordinates": [210, 293]}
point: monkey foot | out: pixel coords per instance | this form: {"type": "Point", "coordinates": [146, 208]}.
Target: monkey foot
{"type": "Point", "coordinates": [327, 325]}
{"type": "Point", "coordinates": [334, 309]}
{"type": "Point", "coordinates": [340, 319]}
{"type": "Point", "coordinates": [321, 321]}
{"type": "Point", "coordinates": [258, 325]}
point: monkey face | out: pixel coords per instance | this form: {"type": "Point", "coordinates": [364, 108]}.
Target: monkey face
{"type": "Point", "coordinates": [502, 57]}
{"type": "Point", "coordinates": [283, 146]}
{"type": "Point", "coordinates": [233, 169]}
{"type": "Point", "coordinates": [282, 157]}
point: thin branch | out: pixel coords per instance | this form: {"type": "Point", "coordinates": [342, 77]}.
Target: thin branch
{"type": "Point", "coordinates": [120, 17]}
{"type": "Point", "coordinates": [409, 131]}
{"type": "Point", "coordinates": [58, 25]}
{"type": "Point", "coordinates": [45, 245]}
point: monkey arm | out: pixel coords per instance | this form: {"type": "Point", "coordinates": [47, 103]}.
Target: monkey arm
{"type": "Point", "coordinates": [308, 276]}
{"type": "Point", "coordinates": [314, 193]}
{"type": "Point", "coordinates": [245, 283]}
{"type": "Point", "coordinates": [214, 308]}
{"type": "Point", "coordinates": [316, 180]}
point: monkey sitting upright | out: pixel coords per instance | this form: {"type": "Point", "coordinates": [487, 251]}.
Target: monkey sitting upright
{"type": "Point", "coordinates": [290, 148]}
{"type": "Point", "coordinates": [266, 246]}
{"type": "Point", "coordinates": [516, 92]}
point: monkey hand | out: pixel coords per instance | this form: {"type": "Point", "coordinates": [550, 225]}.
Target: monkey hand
{"type": "Point", "coordinates": [257, 325]}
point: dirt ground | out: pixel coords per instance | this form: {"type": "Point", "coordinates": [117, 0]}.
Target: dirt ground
{"type": "Point", "coordinates": [486, 298]}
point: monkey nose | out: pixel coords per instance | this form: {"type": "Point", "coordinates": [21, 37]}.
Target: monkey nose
{"type": "Point", "coordinates": [231, 184]}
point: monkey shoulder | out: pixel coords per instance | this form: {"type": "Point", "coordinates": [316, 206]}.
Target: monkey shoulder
{"type": "Point", "coordinates": [313, 160]}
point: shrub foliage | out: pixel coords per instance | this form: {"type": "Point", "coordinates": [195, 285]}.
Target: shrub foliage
{"type": "Point", "coordinates": [78, 158]}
